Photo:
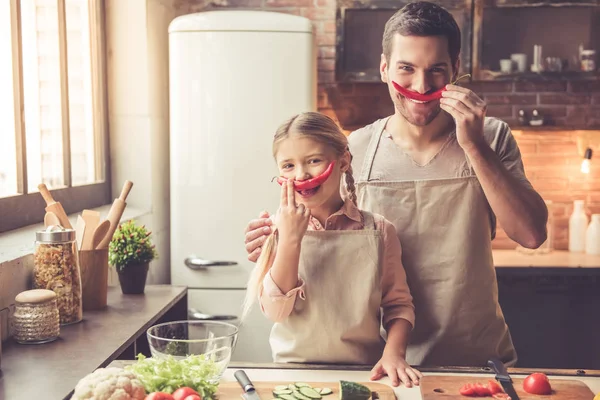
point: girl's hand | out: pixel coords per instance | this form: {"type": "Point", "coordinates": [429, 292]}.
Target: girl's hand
{"type": "Point", "coordinates": [292, 219]}
{"type": "Point", "coordinates": [396, 367]}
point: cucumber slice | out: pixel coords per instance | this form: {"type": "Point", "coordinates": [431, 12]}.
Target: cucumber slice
{"type": "Point", "coordinates": [309, 392]}
{"type": "Point", "coordinates": [300, 396]}
{"type": "Point", "coordinates": [276, 393]}
{"type": "Point", "coordinates": [292, 387]}
{"type": "Point", "coordinates": [301, 384]}
{"type": "Point", "coordinates": [282, 387]}
{"type": "Point", "coordinates": [286, 397]}
{"type": "Point", "coordinates": [325, 391]}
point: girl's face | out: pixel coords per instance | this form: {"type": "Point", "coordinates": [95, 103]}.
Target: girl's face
{"type": "Point", "coordinates": [301, 158]}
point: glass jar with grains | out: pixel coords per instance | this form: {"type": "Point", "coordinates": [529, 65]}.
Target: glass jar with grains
{"type": "Point", "coordinates": [36, 317]}
{"type": "Point", "coordinates": [56, 268]}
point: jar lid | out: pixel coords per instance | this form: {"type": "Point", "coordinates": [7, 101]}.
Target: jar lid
{"type": "Point", "coordinates": [55, 234]}
{"type": "Point", "coordinates": [35, 296]}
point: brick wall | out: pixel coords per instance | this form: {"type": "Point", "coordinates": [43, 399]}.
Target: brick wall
{"type": "Point", "coordinates": [550, 156]}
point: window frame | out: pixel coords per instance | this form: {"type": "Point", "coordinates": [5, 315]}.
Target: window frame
{"type": "Point", "coordinates": [26, 208]}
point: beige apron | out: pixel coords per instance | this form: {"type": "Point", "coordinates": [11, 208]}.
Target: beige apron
{"type": "Point", "coordinates": [444, 228]}
{"type": "Point", "coordinates": [339, 319]}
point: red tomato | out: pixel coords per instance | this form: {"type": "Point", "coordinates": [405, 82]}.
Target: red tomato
{"type": "Point", "coordinates": [193, 397]}
{"type": "Point", "coordinates": [501, 396]}
{"type": "Point", "coordinates": [537, 383]}
{"type": "Point", "coordinates": [494, 387]}
{"type": "Point", "coordinates": [159, 396]}
{"type": "Point", "coordinates": [467, 390]}
{"type": "Point", "coordinates": [183, 392]}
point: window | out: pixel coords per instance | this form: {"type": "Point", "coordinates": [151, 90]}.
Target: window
{"type": "Point", "coordinates": [53, 124]}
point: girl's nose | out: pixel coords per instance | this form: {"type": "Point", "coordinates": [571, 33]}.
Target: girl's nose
{"type": "Point", "coordinates": [301, 174]}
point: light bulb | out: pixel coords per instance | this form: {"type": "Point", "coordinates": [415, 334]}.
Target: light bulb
{"type": "Point", "coordinates": [585, 166]}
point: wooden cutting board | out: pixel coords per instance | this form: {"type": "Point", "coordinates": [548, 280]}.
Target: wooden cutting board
{"type": "Point", "coordinates": [232, 390]}
{"type": "Point", "coordinates": [435, 387]}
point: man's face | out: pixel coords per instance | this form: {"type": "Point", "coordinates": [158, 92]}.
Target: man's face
{"type": "Point", "coordinates": [421, 64]}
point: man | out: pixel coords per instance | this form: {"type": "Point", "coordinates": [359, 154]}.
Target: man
{"type": "Point", "coordinates": [442, 172]}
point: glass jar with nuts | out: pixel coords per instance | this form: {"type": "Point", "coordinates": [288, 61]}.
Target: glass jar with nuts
{"type": "Point", "coordinates": [56, 268]}
{"type": "Point", "coordinates": [35, 319]}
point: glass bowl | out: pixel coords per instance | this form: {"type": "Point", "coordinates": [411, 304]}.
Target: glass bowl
{"type": "Point", "coordinates": [214, 340]}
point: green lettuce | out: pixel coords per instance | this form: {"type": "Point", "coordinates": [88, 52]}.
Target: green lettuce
{"type": "Point", "coordinates": [169, 374]}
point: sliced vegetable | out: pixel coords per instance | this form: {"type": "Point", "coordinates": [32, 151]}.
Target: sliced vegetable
{"type": "Point", "coordinates": [282, 387]}
{"type": "Point", "coordinates": [276, 393]}
{"type": "Point", "coordinates": [301, 384]}
{"type": "Point", "coordinates": [299, 395]}
{"type": "Point", "coordinates": [495, 387]}
{"type": "Point", "coordinates": [467, 390]}
{"type": "Point", "coordinates": [325, 391]}
{"type": "Point", "coordinates": [309, 392]}
{"type": "Point", "coordinates": [354, 391]}
{"type": "Point", "coordinates": [286, 397]}
{"type": "Point", "coordinates": [537, 383]}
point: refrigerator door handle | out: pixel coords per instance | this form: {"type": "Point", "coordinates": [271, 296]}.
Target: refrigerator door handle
{"type": "Point", "coordinates": [194, 314]}
{"type": "Point", "coordinates": [193, 262]}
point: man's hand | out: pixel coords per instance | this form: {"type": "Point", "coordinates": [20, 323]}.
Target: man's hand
{"type": "Point", "coordinates": [256, 234]}
{"type": "Point", "coordinates": [468, 111]}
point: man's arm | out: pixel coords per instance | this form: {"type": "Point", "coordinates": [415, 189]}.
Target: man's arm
{"type": "Point", "coordinates": [520, 210]}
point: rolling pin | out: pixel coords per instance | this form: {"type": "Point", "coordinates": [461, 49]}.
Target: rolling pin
{"type": "Point", "coordinates": [114, 214]}
{"type": "Point", "coordinates": [54, 206]}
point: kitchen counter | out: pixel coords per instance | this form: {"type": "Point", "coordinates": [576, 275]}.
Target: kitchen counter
{"type": "Point", "coordinates": [401, 392]}
{"type": "Point", "coordinates": [329, 373]}
{"type": "Point", "coordinates": [554, 259]}
{"type": "Point", "coordinates": [50, 371]}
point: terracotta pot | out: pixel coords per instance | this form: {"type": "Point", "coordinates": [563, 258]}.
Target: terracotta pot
{"type": "Point", "coordinates": [132, 278]}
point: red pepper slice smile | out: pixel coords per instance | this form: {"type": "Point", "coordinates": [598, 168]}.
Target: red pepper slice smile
{"type": "Point", "coordinates": [310, 183]}
{"type": "Point", "coordinates": [423, 97]}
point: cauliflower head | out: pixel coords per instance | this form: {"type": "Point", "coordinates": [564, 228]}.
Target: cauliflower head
{"type": "Point", "coordinates": [109, 384]}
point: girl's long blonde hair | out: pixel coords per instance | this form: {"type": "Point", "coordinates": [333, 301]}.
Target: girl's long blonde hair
{"type": "Point", "coordinates": [320, 128]}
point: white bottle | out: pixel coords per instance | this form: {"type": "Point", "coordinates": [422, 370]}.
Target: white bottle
{"type": "Point", "coordinates": [592, 237]}
{"type": "Point", "coordinates": [578, 223]}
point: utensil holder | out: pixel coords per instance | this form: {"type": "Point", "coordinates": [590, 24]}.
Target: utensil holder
{"type": "Point", "coordinates": [94, 278]}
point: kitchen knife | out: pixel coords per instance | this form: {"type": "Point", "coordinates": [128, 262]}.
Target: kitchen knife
{"type": "Point", "coordinates": [503, 377]}
{"type": "Point", "coordinates": [246, 384]}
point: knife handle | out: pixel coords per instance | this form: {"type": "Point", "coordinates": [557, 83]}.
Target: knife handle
{"type": "Point", "coordinates": [243, 380]}
{"type": "Point", "coordinates": [499, 367]}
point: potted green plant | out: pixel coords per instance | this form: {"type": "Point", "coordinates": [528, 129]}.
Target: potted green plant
{"type": "Point", "coordinates": [130, 252]}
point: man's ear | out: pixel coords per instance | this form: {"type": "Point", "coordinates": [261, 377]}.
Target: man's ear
{"type": "Point", "coordinates": [383, 66]}
{"type": "Point", "coordinates": [456, 68]}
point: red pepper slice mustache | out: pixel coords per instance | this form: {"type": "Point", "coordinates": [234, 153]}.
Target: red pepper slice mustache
{"type": "Point", "coordinates": [423, 97]}
{"type": "Point", "coordinates": [310, 183]}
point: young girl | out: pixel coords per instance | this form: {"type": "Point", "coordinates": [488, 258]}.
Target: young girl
{"type": "Point", "coordinates": [328, 269]}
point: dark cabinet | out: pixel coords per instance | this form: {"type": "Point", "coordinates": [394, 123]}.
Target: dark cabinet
{"type": "Point", "coordinates": [360, 26]}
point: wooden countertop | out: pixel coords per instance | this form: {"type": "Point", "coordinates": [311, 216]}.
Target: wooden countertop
{"type": "Point", "coordinates": [554, 259]}
{"type": "Point", "coordinates": [51, 370]}
{"type": "Point", "coordinates": [333, 373]}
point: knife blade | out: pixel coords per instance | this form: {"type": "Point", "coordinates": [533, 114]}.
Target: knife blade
{"type": "Point", "coordinates": [246, 384]}
{"type": "Point", "coordinates": [503, 377]}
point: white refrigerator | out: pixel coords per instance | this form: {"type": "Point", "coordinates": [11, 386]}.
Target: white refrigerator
{"type": "Point", "coordinates": [234, 77]}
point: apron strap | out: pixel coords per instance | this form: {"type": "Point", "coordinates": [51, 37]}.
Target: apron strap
{"type": "Point", "coordinates": [365, 171]}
